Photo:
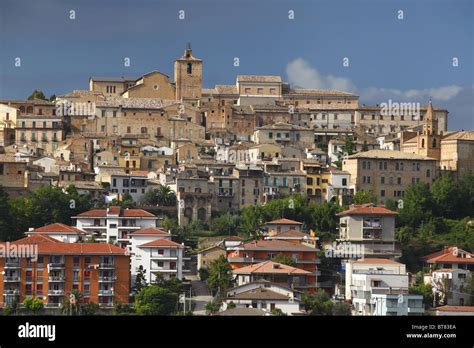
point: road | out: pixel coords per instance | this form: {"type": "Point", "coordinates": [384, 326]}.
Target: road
{"type": "Point", "coordinates": [201, 296]}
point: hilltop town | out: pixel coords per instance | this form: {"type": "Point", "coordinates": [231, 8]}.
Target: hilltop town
{"type": "Point", "coordinates": [257, 198]}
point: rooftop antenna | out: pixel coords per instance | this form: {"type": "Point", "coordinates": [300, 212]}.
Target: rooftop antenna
{"type": "Point", "coordinates": [188, 46]}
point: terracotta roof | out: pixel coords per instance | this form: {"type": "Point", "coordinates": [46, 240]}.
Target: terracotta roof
{"type": "Point", "coordinates": [277, 245]}
{"type": "Point", "coordinates": [450, 254]}
{"type": "Point", "coordinates": [116, 211]}
{"type": "Point", "coordinates": [455, 308]}
{"type": "Point", "coordinates": [149, 231]}
{"type": "Point", "coordinates": [57, 228]}
{"type": "Point", "coordinates": [283, 222]}
{"type": "Point", "coordinates": [162, 242]}
{"type": "Point", "coordinates": [368, 210]}
{"type": "Point", "coordinates": [259, 294]}
{"type": "Point", "coordinates": [270, 267]}
{"type": "Point", "coordinates": [47, 247]}
{"type": "Point", "coordinates": [377, 261]}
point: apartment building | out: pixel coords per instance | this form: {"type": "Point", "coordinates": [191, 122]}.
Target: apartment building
{"type": "Point", "coordinates": [153, 249]}
{"type": "Point", "coordinates": [387, 173]}
{"type": "Point", "coordinates": [251, 185]}
{"type": "Point", "coordinates": [113, 224]}
{"type": "Point", "coordinates": [276, 273]}
{"type": "Point", "coordinates": [380, 287]}
{"type": "Point", "coordinates": [371, 228]}
{"type": "Point", "coordinates": [452, 287]}
{"type": "Point", "coordinates": [265, 296]}
{"type": "Point", "coordinates": [450, 257]}
{"type": "Point", "coordinates": [284, 134]}
{"type": "Point", "coordinates": [42, 132]}
{"type": "Point", "coordinates": [99, 271]}
{"type": "Point", "coordinates": [258, 251]}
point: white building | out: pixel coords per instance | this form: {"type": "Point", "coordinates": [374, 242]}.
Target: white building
{"type": "Point", "coordinates": [152, 249]}
{"type": "Point", "coordinates": [452, 287]}
{"type": "Point", "coordinates": [59, 231]}
{"type": "Point", "coordinates": [264, 295]}
{"type": "Point", "coordinates": [114, 224]}
{"type": "Point", "coordinates": [372, 228]}
{"type": "Point", "coordinates": [136, 184]}
{"type": "Point", "coordinates": [380, 287]}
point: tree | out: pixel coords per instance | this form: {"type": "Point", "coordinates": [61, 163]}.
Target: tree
{"type": "Point", "coordinates": [278, 312]}
{"type": "Point", "coordinates": [213, 306]}
{"type": "Point", "coordinates": [363, 197]}
{"type": "Point", "coordinates": [6, 217]}
{"type": "Point", "coordinates": [37, 95]}
{"type": "Point", "coordinates": [89, 308]}
{"type": "Point", "coordinates": [425, 290]}
{"type": "Point", "coordinates": [52, 98]}
{"type": "Point", "coordinates": [163, 196]}
{"type": "Point", "coordinates": [341, 309]}
{"type": "Point", "coordinates": [173, 284]}
{"type": "Point", "coordinates": [318, 303]}
{"type": "Point", "coordinates": [284, 259]}
{"type": "Point", "coordinates": [154, 300]}
{"type": "Point", "coordinates": [220, 275]}
{"type": "Point", "coordinates": [250, 220]}
{"type": "Point", "coordinates": [447, 197]}
{"type": "Point", "coordinates": [417, 205]}
{"type": "Point", "coordinates": [225, 224]}
{"type": "Point", "coordinates": [127, 201]}
{"type": "Point", "coordinates": [33, 304]}
{"type": "Point", "coordinates": [140, 280]}
{"type": "Point", "coordinates": [72, 304]}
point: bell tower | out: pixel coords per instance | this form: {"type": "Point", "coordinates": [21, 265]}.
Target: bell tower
{"type": "Point", "coordinates": [429, 141]}
{"type": "Point", "coordinates": [188, 76]}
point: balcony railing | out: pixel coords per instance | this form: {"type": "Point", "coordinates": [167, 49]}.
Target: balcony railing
{"type": "Point", "coordinates": [107, 279]}
{"type": "Point", "coordinates": [12, 264]}
{"type": "Point", "coordinates": [11, 292]}
{"type": "Point", "coordinates": [56, 278]}
{"type": "Point", "coordinates": [106, 292]}
{"type": "Point", "coordinates": [106, 265]}
{"type": "Point", "coordinates": [56, 265]}
{"type": "Point", "coordinates": [55, 292]}
{"type": "Point", "coordinates": [12, 278]}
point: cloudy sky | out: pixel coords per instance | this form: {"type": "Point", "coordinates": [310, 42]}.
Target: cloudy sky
{"type": "Point", "coordinates": [408, 59]}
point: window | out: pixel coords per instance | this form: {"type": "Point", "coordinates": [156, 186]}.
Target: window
{"type": "Point", "coordinates": [382, 180]}
{"type": "Point", "coordinates": [428, 173]}
{"type": "Point", "coordinates": [399, 181]}
{"type": "Point", "coordinates": [189, 68]}
{"type": "Point", "coordinates": [344, 182]}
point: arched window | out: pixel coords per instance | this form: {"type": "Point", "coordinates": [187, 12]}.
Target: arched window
{"type": "Point", "coordinates": [22, 109]}
{"type": "Point", "coordinates": [29, 109]}
{"type": "Point", "coordinates": [144, 130]}
{"type": "Point", "coordinates": [423, 143]}
{"type": "Point", "coordinates": [189, 68]}
{"type": "Point", "coordinates": [434, 143]}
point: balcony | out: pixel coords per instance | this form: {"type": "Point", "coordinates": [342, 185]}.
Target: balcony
{"type": "Point", "coordinates": [56, 265]}
{"type": "Point", "coordinates": [56, 292]}
{"type": "Point", "coordinates": [225, 192]}
{"type": "Point", "coordinates": [93, 226]}
{"type": "Point", "coordinates": [107, 279]}
{"type": "Point", "coordinates": [12, 264]}
{"type": "Point", "coordinates": [106, 292]}
{"type": "Point", "coordinates": [11, 279]}
{"type": "Point", "coordinates": [11, 292]}
{"type": "Point", "coordinates": [163, 257]}
{"type": "Point", "coordinates": [106, 265]}
{"type": "Point", "coordinates": [56, 279]}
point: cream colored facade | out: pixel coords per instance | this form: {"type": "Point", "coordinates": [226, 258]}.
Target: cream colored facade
{"type": "Point", "coordinates": [188, 76]}
{"type": "Point", "coordinates": [39, 132]}
{"type": "Point", "coordinates": [387, 173]}
{"type": "Point", "coordinates": [152, 85]}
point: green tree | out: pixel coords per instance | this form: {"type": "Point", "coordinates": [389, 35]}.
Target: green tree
{"type": "Point", "coordinates": [173, 284]}
{"type": "Point", "coordinates": [140, 280]}
{"type": "Point", "coordinates": [7, 230]}
{"type": "Point", "coordinates": [417, 205]}
{"type": "Point", "coordinates": [162, 196]}
{"type": "Point", "coordinates": [213, 306]}
{"type": "Point", "coordinates": [154, 300]}
{"type": "Point", "coordinates": [363, 197]}
{"type": "Point", "coordinates": [33, 304]}
{"type": "Point", "coordinates": [425, 290]}
{"type": "Point", "coordinates": [318, 303]}
{"type": "Point", "coordinates": [278, 312]}
{"type": "Point", "coordinates": [447, 197]}
{"type": "Point", "coordinates": [284, 259]}
{"type": "Point", "coordinates": [250, 220]}
{"type": "Point", "coordinates": [341, 309]}
{"type": "Point", "coordinates": [37, 94]}
{"type": "Point", "coordinates": [220, 275]}
{"type": "Point", "coordinates": [225, 225]}
{"type": "Point", "coordinates": [72, 304]}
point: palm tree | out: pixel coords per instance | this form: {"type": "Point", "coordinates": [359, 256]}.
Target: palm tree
{"type": "Point", "coordinates": [165, 196]}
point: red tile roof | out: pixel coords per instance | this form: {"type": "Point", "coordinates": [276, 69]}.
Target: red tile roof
{"type": "Point", "coordinates": [455, 308]}
{"type": "Point", "coordinates": [162, 242]}
{"type": "Point", "coordinates": [368, 211]}
{"type": "Point", "coordinates": [47, 246]}
{"type": "Point", "coordinates": [450, 254]}
{"type": "Point", "coordinates": [149, 231]}
{"type": "Point", "coordinates": [278, 245]}
{"type": "Point", "coordinates": [291, 233]}
{"type": "Point", "coordinates": [283, 222]}
{"type": "Point", "coordinates": [57, 228]}
{"type": "Point", "coordinates": [270, 267]}
{"type": "Point", "coordinates": [116, 211]}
